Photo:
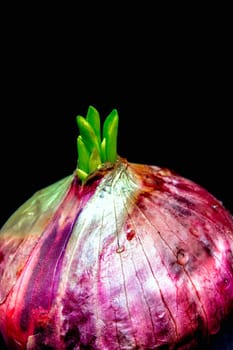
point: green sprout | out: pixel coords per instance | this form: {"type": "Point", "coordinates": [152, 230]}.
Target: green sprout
{"type": "Point", "coordinates": [96, 148]}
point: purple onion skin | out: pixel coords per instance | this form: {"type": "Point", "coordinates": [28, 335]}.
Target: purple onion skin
{"type": "Point", "coordinates": [136, 258]}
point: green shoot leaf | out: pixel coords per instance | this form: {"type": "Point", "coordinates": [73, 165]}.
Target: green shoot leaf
{"type": "Point", "coordinates": [110, 129]}
{"type": "Point", "coordinates": [103, 150]}
{"type": "Point", "coordinates": [92, 150]}
{"type": "Point", "coordinates": [88, 135]}
{"type": "Point", "coordinates": [82, 174]}
{"type": "Point", "coordinates": [94, 161]}
{"type": "Point", "coordinates": [84, 155]}
{"type": "Point", "coordinates": [93, 119]}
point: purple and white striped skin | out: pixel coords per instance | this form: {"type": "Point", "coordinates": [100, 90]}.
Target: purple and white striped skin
{"type": "Point", "coordinates": [136, 258]}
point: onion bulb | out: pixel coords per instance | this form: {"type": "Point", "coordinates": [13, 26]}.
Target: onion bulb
{"type": "Point", "coordinates": [116, 256]}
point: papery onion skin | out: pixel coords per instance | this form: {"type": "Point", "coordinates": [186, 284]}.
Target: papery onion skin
{"type": "Point", "coordinates": [138, 257]}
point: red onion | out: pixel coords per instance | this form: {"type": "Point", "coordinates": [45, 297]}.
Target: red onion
{"type": "Point", "coordinates": [115, 256]}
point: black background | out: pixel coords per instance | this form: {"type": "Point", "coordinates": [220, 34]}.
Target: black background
{"type": "Point", "coordinates": [168, 73]}
{"type": "Point", "coordinates": [170, 78]}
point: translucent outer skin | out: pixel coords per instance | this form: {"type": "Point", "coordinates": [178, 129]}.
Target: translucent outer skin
{"type": "Point", "coordinates": [137, 258]}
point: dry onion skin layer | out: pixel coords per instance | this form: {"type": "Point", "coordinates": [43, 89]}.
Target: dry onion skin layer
{"type": "Point", "coordinates": [115, 256]}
